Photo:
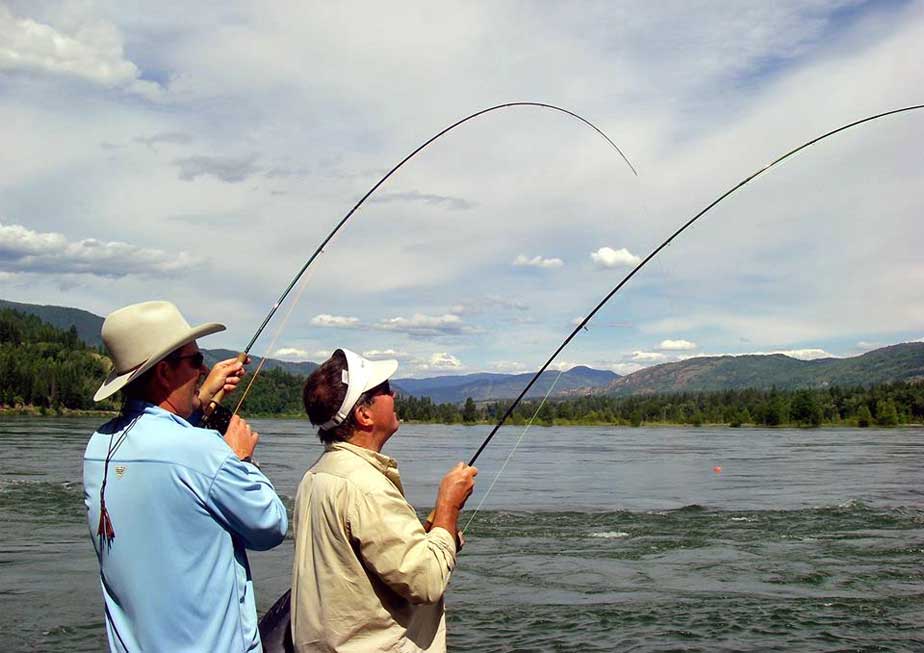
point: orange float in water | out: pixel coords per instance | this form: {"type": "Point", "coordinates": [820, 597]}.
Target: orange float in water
{"type": "Point", "coordinates": [717, 469]}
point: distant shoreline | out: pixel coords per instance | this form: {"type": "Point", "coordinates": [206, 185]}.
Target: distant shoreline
{"type": "Point", "coordinates": [38, 411]}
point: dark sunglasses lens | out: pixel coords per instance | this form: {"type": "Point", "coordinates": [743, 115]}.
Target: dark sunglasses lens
{"type": "Point", "coordinates": [196, 360]}
{"type": "Point", "coordinates": [381, 389]}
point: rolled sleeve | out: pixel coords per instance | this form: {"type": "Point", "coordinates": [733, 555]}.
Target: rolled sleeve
{"type": "Point", "coordinates": [412, 562]}
{"type": "Point", "coordinates": [244, 500]}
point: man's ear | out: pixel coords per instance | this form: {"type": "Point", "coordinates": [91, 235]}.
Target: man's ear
{"type": "Point", "coordinates": [362, 415]}
{"type": "Point", "coordinates": [161, 375]}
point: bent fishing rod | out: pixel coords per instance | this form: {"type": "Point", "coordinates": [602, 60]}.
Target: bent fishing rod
{"type": "Point", "coordinates": [209, 409]}
{"type": "Point", "coordinates": [664, 244]}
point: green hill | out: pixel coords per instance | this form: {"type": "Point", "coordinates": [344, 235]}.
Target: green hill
{"type": "Point", "coordinates": [894, 364]}
{"type": "Point", "coordinates": [87, 324]}
{"type": "Point", "coordinates": [903, 362]}
{"type": "Point", "coordinates": [46, 367]}
{"type": "Point", "coordinates": [88, 327]}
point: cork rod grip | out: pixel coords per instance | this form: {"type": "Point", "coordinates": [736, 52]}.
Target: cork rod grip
{"type": "Point", "coordinates": [218, 396]}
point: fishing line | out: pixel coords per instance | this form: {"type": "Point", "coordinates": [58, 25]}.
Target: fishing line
{"type": "Point", "coordinates": [543, 105]}
{"type": "Point", "coordinates": [646, 215]}
{"type": "Point", "coordinates": [512, 451]}
{"type": "Point", "coordinates": [275, 337]}
{"type": "Point", "coordinates": [664, 244]}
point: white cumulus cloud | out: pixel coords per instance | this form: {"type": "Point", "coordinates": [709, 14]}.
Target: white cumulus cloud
{"type": "Point", "coordinates": [291, 353]}
{"type": "Point", "coordinates": [444, 361]}
{"type": "Point", "coordinates": [427, 325]}
{"type": "Point", "coordinates": [374, 354]}
{"type": "Point", "coordinates": [624, 369]}
{"type": "Point", "coordinates": [805, 354]}
{"type": "Point", "coordinates": [523, 261]}
{"type": "Point", "coordinates": [415, 364]}
{"type": "Point", "coordinates": [607, 257]}
{"type": "Point", "coordinates": [93, 53]}
{"type": "Point", "coordinates": [25, 250]}
{"type": "Point", "coordinates": [337, 321]}
{"type": "Point", "coordinates": [648, 356]}
{"type": "Point", "coordinates": [676, 345]}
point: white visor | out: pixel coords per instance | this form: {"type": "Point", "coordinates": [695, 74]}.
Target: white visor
{"type": "Point", "coordinates": [360, 375]}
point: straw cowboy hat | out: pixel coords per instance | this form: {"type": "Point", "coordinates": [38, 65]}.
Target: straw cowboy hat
{"type": "Point", "coordinates": [139, 336]}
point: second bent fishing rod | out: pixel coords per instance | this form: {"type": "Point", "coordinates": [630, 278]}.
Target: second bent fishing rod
{"type": "Point", "coordinates": [655, 252]}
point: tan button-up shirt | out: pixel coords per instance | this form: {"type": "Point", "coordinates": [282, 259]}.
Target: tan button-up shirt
{"type": "Point", "coordinates": [366, 576]}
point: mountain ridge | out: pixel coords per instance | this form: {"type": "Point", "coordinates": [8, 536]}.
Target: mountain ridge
{"type": "Point", "coordinates": [484, 386]}
{"type": "Point", "coordinates": [899, 362]}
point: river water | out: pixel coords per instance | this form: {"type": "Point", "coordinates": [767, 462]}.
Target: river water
{"type": "Point", "coordinates": [593, 539]}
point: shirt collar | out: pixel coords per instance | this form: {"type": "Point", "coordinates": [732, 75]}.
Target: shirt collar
{"type": "Point", "coordinates": [384, 464]}
{"type": "Point", "coordinates": [134, 407]}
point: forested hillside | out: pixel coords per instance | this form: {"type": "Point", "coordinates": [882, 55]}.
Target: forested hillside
{"type": "Point", "coordinates": [889, 404]}
{"type": "Point", "coordinates": [51, 369]}
{"type": "Point", "coordinates": [46, 367]}
{"type": "Point", "coordinates": [901, 362]}
{"type": "Point", "coordinates": [63, 317]}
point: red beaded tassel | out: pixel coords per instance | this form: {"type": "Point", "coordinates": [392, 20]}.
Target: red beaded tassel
{"type": "Point", "coordinates": [104, 529]}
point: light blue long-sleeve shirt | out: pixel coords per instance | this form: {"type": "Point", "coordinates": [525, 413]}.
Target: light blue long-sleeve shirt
{"type": "Point", "coordinates": [184, 508]}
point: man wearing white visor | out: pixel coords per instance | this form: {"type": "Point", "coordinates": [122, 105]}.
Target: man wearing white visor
{"type": "Point", "coordinates": [367, 576]}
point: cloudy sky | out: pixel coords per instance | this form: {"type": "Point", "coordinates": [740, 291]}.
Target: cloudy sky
{"type": "Point", "coordinates": [201, 152]}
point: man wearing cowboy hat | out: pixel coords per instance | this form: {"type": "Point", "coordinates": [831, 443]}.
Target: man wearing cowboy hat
{"type": "Point", "coordinates": [367, 575]}
{"type": "Point", "coordinates": [172, 507]}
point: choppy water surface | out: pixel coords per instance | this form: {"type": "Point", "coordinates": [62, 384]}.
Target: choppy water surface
{"type": "Point", "coordinates": [594, 539]}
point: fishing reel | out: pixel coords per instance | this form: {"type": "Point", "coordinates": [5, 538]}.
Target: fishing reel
{"type": "Point", "coordinates": [218, 419]}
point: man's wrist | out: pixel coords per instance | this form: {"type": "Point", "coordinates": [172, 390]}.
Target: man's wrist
{"type": "Point", "coordinates": [446, 516]}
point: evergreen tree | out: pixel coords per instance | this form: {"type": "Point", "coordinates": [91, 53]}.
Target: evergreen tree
{"type": "Point", "coordinates": [886, 414]}
{"type": "Point", "coordinates": [864, 417]}
{"type": "Point", "coordinates": [805, 409]}
{"type": "Point", "coordinates": [745, 417]}
{"type": "Point", "coordinates": [470, 411]}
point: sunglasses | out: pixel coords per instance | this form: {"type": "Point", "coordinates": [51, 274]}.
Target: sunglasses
{"type": "Point", "coordinates": [197, 359]}
{"type": "Point", "coordinates": [381, 389]}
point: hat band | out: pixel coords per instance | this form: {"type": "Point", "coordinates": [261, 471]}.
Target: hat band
{"type": "Point", "coordinates": [131, 369]}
